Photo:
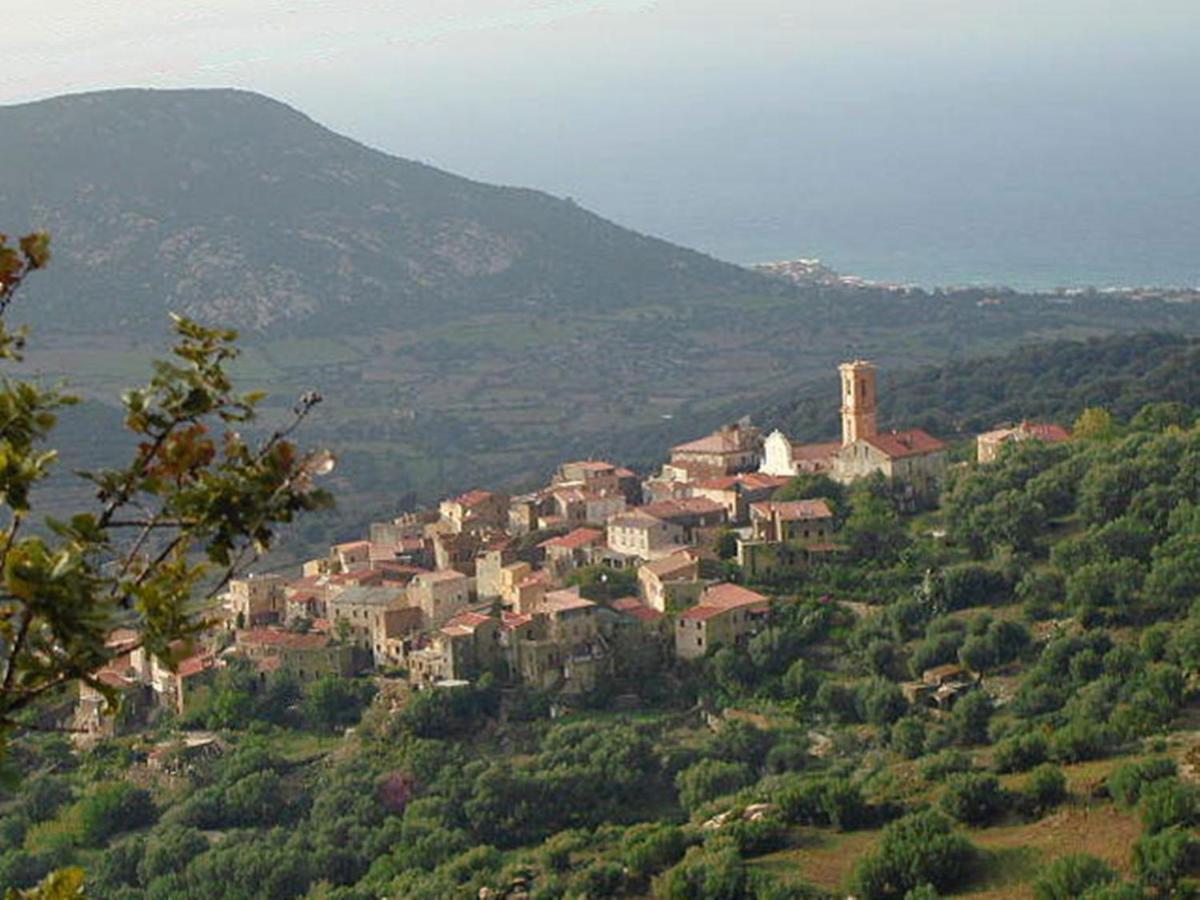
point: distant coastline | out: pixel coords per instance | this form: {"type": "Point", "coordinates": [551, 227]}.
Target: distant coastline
{"type": "Point", "coordinates": [814, 271]}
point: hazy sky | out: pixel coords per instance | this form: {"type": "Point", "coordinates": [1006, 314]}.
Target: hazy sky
{"type": "Point", "coordinates": [873, 132]}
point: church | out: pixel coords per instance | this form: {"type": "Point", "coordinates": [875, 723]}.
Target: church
{"type": "Point", "coordinates": [912, 457]}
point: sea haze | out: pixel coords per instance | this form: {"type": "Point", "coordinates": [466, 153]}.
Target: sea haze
{"type": "Point", "coordinates": [1064, 156]}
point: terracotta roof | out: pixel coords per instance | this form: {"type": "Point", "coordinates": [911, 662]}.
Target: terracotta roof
{"type": "Point", "coordinates": [632, 606]}
{"type": "Point", "coordinates": [289, 640]}
{"type": "Point", "coordinates": [747, 480]}
{"type": "Point", "coordinates": [702, 613]}
{"type": "Point", "coordinates": [194, 665]}
{"type": "Point", "coordinates": [815, 452]}
{"type": "Point", "coordinates": [565, 601]}
{"type": "Point", "coordinates": [794, 510]}
{"type": "Point", "coordinates": [626, 473]}
{"type": "Point", "coordinates": [580, 537]}
{"type": "Point", "coordinates": [352, 545]}
{"type": "Point", "coordinates": [541, 576]}
{"type": "Point", "coordinates": [675, 564]}
{"type": "Point", "coordinates": [728, 596]}
{"type": "Point", "coordinates": [899, 444]}
{"type": "Point", "coordinates": [468, 620]}
{"type": "Point", "coordinates": [635, 518]}
{"type": "Point", "coordinates": [363, 595]}
{"type": "Point", "coordinates": [682, 507]}
{"type": "Point", "coordinates": [732, 440]}
{"type": "Point", "coordinates": [1047, 431]}
{"type": "Point", "coordinates": [113, 678]}
{"type": "Point", "coordinates": [439, 575]}
{"type": "Point", "coordinates": [511, 620]}
{"type": "Point", "coordinates": [473, 498]}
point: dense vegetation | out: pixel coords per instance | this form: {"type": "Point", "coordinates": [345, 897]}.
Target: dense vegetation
{"type": "Point", "coordinates": [800, 765]}
{"type": "Point", "coordinates": [1047, 381]}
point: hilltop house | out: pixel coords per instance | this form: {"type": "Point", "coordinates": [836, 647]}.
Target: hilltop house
{"type": "Point", "coordinates": [724, 616]}
{"type": "Point", "coordinates": [305, 656]}
{"type": "Point", "coordinates": [440, 595]}
{"type": "Point", "coordinates": [728, 450]}
{"type": "Point", "coordinates": [989, 444]}
{"type": "Point", "coordinates": [791, 520]}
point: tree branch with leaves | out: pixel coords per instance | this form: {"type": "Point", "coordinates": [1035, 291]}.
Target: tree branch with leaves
{"type": "Point", "coordinates": [195, 505]}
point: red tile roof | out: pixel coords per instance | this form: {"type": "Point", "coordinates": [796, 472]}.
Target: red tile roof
{"type": "Point", "coordinates": [794, 510]}
{"type": "Point", "coordinates": [473, 498]}
{"type": "Point", "coordinates": [682, 507]}
{"type": "Point", "coordinates": [1047, 431]}
{"type": "Point", "coordinates": [289, 640]}
{"type": "Point", "coordinates": [575, 540]}
{"type": "Point", "coordinates": [726, 440]}
{"type": "Point", "coordinates": [194, 665]}
{"type": "Point", "coordinates": [899, 444]}
{"type": "Point", "coordinates": [634, 607]}
{"type": "Point", "coordinates": [815, 452]}
{"type": "Point", "coordinates": [511, 620]}
{"type": "Point", "coordinates": [728, 596]}
{"type": "Point", "coordinates": [675, 564]}
{"type": "Point", "coordinates": [565, 601]}
{"type": "Point", "coordinates": [468, 620]}
{"type": "Point", "coordinates": [439, 575]}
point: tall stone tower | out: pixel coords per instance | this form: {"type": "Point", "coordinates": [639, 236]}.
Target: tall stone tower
{"type": "Point", "coordinates": [858, 400]}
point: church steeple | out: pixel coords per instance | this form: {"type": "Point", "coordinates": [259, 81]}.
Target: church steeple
{"type": "Point", "coordinates": [858, 400]}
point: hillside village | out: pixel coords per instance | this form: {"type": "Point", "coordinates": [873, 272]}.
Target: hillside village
{"type": "Point", "coordinates": [519, 586]}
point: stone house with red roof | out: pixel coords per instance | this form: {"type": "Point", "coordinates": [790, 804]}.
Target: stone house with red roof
{"type": "Point", "coordinates": [475, 510]}
{"type": "Point", "coordinates": [671, 582]}
{"type": "Point", "coordinates": [724, 616]}
{"type": "Point", "coordinates": [728, 450]}
{"type": "Point", "coordinates": [440, 595]}
{"type": "Point", "coordinates": [792, 521]}
{"type": "Point", "coordinates": [638, 533]}
{"type": "Point", "coordinates": [572, 550]}
{"type": "Point", "coordinates": [913, 457]}
{"type": "Point", "coordinates": [737, 492]}
{"type": "Point", "coordinates": [307, 657]}
{"type": "Point", "coordinates": [989, 444]}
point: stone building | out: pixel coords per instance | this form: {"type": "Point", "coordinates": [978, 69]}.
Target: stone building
{"type": "Point", "coordinates": [724, 616]}
{"type": "Point", "coordinates": [989, 444]}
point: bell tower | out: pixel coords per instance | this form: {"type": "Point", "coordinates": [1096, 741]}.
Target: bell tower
{"type": "Point", "coordinates": [858, 400]}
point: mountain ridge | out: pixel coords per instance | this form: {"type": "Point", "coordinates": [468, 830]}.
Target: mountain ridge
{"type": "Point", "coordinates": [226, 204]}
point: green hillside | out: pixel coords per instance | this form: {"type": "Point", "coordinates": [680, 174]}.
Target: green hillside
{"type": "Point", "coordinates": [1063, 580]}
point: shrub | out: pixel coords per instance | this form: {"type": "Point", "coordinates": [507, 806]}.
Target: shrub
{"type": "Point", "coordinates": [713, 870]}
{"type": "Point", "coordinates": [650, 848]}
{"type": "Point", "coordinates": [1080, 740]}
{"type": "Point", "coordinates": [940, 765]}
{"type": "Point", "coordinates": [823, 801]}
{"type": "Point", "coordinates": [972, 584]}
{"type": "Point", "coordinates": [1070, 877]}
{"type": "Point", "coordinates": [974, 798]}
{"type": "Point", "coordinates": [1161, 859]}
{"type": "Point", "coordinates": [1046, 787]}
{"type": "Point", "coordinates": [112, 808]}
{"type": "Point", "coordinates": [709, 779]}
{"type": "Point", "coordinates": [971, 716]}
{"type": "Point", "coordinates": [788, 756]}
{"type": "Point", "coordinates": [1020, 753]}
{"type": "Point", "coordinates": [1169, 802]}
{"type": "Point", "coordinates": [919, 849]}
{"type": "Point", "coordinates": [908, 737]}
{"type": "Point", "coordinates": [1126, 783]}
{"type": "Point", "coordinates": [883, 702]}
